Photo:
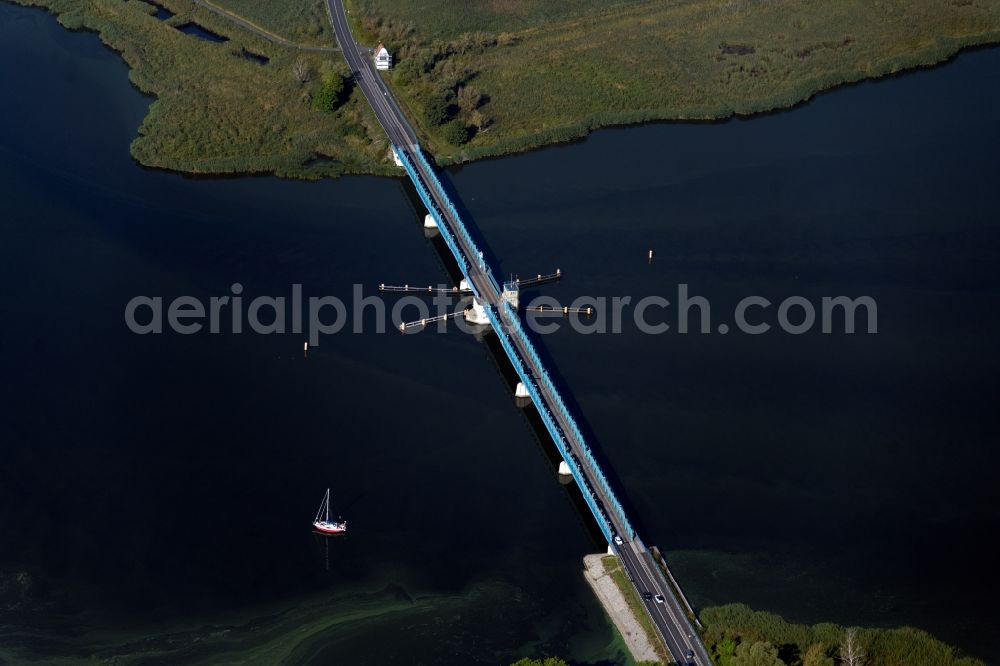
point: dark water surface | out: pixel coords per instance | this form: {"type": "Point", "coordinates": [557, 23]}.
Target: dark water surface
{"type": "Point", "coordinates": [156, 491]}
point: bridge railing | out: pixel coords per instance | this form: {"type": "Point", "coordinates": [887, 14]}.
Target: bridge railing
{"type": "Point", "coordinates": [510, 315]}
{"type": "Point", "coordinates": [557, 434]}
{"type": "Point", "coordinates": [461, 228]}
{"type": "Point", "coordinates": [432, 208]}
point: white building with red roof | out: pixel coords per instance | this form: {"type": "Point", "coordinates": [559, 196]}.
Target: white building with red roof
{"type": "Point", "coordinates": [383, 59]}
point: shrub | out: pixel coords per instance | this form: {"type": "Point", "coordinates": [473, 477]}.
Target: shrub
{"type": "Point", "coordinates": [456, 133]}
{"type": "Point", "coordinates": [435, 109]}
{"type": "Point", "coordinates": [329, 93]}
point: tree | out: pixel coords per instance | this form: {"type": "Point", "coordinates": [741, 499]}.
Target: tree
{"type": "Point", "coordinates": [468, 99]}
{"type": "Point", "coordinates": [726, 651]}
{"type": "Point", "coordinates": [329, 93]}
{"type": "Point", "coordinates": [456, 133]}
{"type": "Point", "coordinates": [435, 110]}
{"type": "Point", "coordinates": [851, 652]}
{"type": "Point", "coordinates": [301, 71]}
{"type": "Point", "coordinates": [760, 653]}
{"type": "Point", "coordinates": [480, 120]}
{"type": "Point", "coordinates": [816, 655]}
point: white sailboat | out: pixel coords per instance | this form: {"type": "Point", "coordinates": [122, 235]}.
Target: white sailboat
{"type": "Point", "coordinates": [322, 522]}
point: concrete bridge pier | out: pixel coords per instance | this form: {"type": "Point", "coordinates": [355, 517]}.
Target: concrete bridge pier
{"type": "Point", "coordinates": [565, 476]}
{"type": "Point", "coordinates": [430, 222]}
{"type": "Point", "coordinates": [476, 314]}
{"type": "Point", "coordinates": [521, 396]}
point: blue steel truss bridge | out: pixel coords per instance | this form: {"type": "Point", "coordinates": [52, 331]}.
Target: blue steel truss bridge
{"type": "Point", "coordinates": [667, 607]}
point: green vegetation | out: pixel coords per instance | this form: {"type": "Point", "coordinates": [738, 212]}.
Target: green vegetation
{"type": "Point", "coordinates": [496, 76]}
{"type": "Point", "coordinates": [548, 661]}
{"type": "Point", "coordinates": [546, 72]}
{"type": "Point", "coordinates": [614, 569]}
{"type": "Point", "coordinates": [349, 626]}
{"type": "Point", "coordinates": [334, 79]}
{"type": "Point", "coordinates": [439, 20]}
{"type": "Point", "coordinates": [217, 111]}
{"type": "Point", "coordinates": [456, 133]}
{"type": "Point", "coordinates": [303, 21]}
{"type": "Point", "coordinates": [738, 636]}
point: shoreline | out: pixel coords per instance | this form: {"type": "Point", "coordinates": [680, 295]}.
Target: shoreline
{"type": "Point", "coordinates": [908, 64]}
{"type": "Point", "coordinates": [643, 648]}
{"type": "Point", "coordinates": [581, 131]}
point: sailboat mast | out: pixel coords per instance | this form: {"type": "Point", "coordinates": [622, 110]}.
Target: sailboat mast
{"type": "Point", "coordinates": [324, 507]}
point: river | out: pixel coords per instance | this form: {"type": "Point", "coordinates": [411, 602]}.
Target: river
{"type": "Point", "coordinates": [156, 490]}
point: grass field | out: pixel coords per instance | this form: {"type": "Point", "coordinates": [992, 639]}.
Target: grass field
{"type": "Point", "coordinates": [490, 77]}
{"type": "Point", "coordinates": [447, 19]}
{"type": "Point", "coordinates": [546, 72]}
{"type": "Point", "coordinates": [302, 21]}
{"type": "Point", "coordinates": [216, 111]}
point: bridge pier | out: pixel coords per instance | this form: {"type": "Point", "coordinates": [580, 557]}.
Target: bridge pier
{"type": "Point", "coordinates": [522, 398]}
{"type": "Point", "coordinates": [430, 222]}
{"type": "Point", "coordinates": [501, 318]}
{"type": "Point", "coordinates": [476, 314]}
{"type": "Point", "coordinates": [564, 469]}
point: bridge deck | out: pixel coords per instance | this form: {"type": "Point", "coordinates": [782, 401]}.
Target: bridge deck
{"type": "Point", "coordinates": [556, 416]}
{"type": "Point", "coordinates": [669, 615]}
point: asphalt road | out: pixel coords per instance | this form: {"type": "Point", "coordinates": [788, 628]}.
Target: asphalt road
{"type": "Point", "coordinates": [669, 617]}
{"type": "Point", "coordinates": [363, 69]}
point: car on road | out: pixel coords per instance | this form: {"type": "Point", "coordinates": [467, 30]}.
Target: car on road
{"type": "Point", "coordinates": [648, 596]}
{"type": "Point", "coordinates": [618, 540]}
{"type": "Point", "coordinates": [689, 658]}
{"type": "Point", "coordinates": [659, 598]}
